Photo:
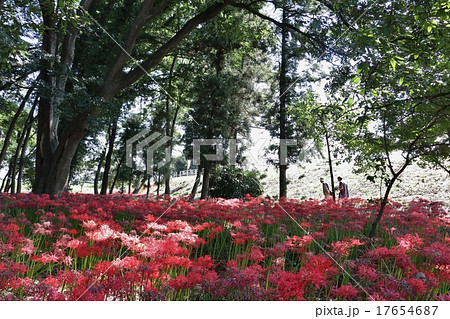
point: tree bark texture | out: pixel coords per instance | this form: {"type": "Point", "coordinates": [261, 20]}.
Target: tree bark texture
{"type": "Point", "coordinates": [283, 88]}
{"type": "Point", "coordinates": [20, 150]}
{"type": "Point", "coordinates": [205, 182]}
{"type": "Point", "coordinates": [169, 125]}
{"type": "Point", "coordinates": [98, 171]}
{"type": "Point", "coordinates": [111, 138]}
{"type": "Point", "coordinates": [330, 162]}
{"type": "Point", "coordinates": [197, 181]}
{"type": "Point", "coordinates": [116, 175]}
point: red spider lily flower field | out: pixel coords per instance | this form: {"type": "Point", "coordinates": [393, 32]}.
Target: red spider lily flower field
{"type": "Point", "coordinates": [122, 247]}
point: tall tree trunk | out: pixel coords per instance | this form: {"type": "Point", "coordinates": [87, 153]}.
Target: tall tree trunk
{"type": "Point", "coordinates": [5, 179]}
{"type": "Point", "coordinates": [112, 137]}
{"type": "Point", "coordinates": [283, 92]}
{"type": "Point", "coordinates": [169, 126]}
{"type": "Point", "coordinates": [22, 160]}
{"type": "Point", "coordinates": [158, 184]}
{"type": "Point", "coordinates": [197, 181]}
{"type": "Point", "coordinates": [375, 223]}
{"type": "Point", "coordinates": [15, 159]}
{"type": "Point", "coordinates": [116, 176]}
{"type": "Point", "coordinates": [6, 184]}
{"type": "Point", "coordinates": [130, 181]}
{"type": "Point", "coordinates": [12, 125]}
{"type": "Point", "coordinates": [22, 146]}
{"type": "Point", "coordinates": [141, 184]}
{"type": "Point", "coordinates": [148, 187]}
{"type": "Point", "coordinates": [98, 171]}
{"type": "Point", "coordinates": [205, 182]}
{"type": "Point", "coordinates": [330, 162]}
{"type": "Point", "coordinates": [391, 183]}
{"type": "Point", "coordinates": [53, 155]}
{"type": "Point", "coordinates": [395, 175]}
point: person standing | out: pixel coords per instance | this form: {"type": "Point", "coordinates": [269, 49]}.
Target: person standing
{"type": "Point", "coordinates": [343, 189]}
{"type": "Point", "coordinates": [325, 188]}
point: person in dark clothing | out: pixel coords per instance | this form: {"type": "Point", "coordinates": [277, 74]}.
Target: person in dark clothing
{"type": "Point", "coordinates": [343, 189]}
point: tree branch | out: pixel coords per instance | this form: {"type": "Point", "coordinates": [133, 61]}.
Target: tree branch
{"type": "Point", "coordinates": [279, 24]}
{"type": "Point", "coordinates": [338, 14]}
{"type": "Point", "coordinates": [147, 12]}
{"type": "Point", "coordinates": [116, 83]}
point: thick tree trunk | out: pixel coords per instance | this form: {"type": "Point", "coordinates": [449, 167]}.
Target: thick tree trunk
{"type": "Point", "coordinates": [205, 182]}
{"type": "Point", "coordinates": [53, 155]}
{"type": "Point", "coordinates": [283, 89]}
{"type": "Point", "coordinates": [53, 164]}
{"type": "Point", "coordinates": [111, 139]}
{"type": "Point", "coordinates": [167, 183]}
{"type": "Point", "coordinates": [99, 170]}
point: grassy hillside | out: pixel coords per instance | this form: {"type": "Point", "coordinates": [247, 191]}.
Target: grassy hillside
{"type": "Point", "coordinates": [304, 183]}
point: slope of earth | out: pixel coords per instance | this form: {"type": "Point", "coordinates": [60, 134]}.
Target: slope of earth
{"type": "Point", "coordinates": [433, 185]}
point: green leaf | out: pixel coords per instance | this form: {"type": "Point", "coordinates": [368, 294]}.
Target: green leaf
{"type": "Point", "coordinates": [356, 79]}
{"type": "Point", "coordinates": [400, 81]}
{"type": "Point", "coordinates": [393, 64]}
{"type": "Point", "coordinates": [364, 66]}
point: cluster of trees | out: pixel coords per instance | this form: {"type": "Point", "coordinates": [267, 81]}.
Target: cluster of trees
{"type": "Point", "coordinates": [78, 78]}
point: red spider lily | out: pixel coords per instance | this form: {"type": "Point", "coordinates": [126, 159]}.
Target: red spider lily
{"type": "Point", "coordinates": [176, 261]}
{"type": "Point", "coordinates": [129, 262]}
{"type": "Point", "coordinates": [298, 243]}
{"type": "Point", "coordinates": [288, 286]}
{"type": "Point", "coordinates": [45, 258]}
{"type": "Point", "coordinates": [75, 238]}
{"type": "Point", "coordinates": [103, 233]}
{"type": "Point", "coordinates": [28, 248]}
{"type": "Point", "coordinates": [438, 253]}
{"type": "Point", "coordinates": [256, 254]}
{"type": "Point", "coordinates": [179, 283]}
{"type": "Point", "coordinates": [204, 262]}
{"type": "Point", "coordinates": [410, 242]}
{"type": "Point", "coordinates": [106, 268]}
{"type": "Point", "coordinates": [367, 273]}
{"type": "Point", "coordinates": [342, 248]}
{"type": "Point", "coordinates": [318, 271]}
{"type": "Point", "coordinates": [346, 292]}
